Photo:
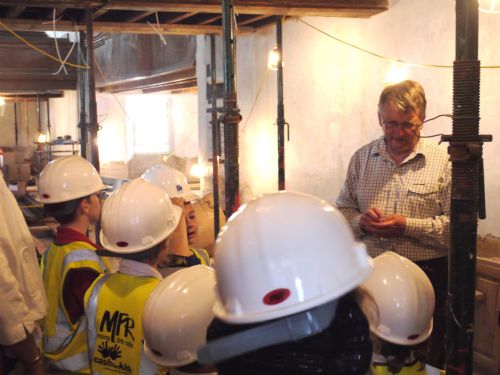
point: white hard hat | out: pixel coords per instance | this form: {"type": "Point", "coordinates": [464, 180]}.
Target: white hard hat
{"type": "Point", "coordinates": [285, 253]}
{"type": "Point", "coordinates": [404, 297]}
{"type": "Point", "coordinates": [170, 179]}
{"type": "Point", "coordinates": [68, 178]}
{"type": "Point", "coordinates": [177, 314]}
{"type": "Point", "coordinates": [137, 216]}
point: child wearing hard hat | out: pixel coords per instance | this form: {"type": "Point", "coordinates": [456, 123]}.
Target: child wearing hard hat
{"type": "Point", "coordinates": [69, 188]}
{"type": "Point", "coordinates": [138, 221]}
{"type": "Point", "coordinates": [287, 269]}
{"type": "Point", "coordinates": [404, 297]}
{"type": "Point", "coordinates": [183, 253]}
{"type": "Point", "coordinates": [176, 317]}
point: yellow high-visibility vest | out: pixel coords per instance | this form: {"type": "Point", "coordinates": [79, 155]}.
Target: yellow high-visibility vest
{"type": "Point", "coordinates": [416, 368]}
{"type": "Point", "coordinates": [113, 306]}
{"type": "Point", "coordinates": [202, 255]}
{"type": "Point", "coordinates": [65, 343]}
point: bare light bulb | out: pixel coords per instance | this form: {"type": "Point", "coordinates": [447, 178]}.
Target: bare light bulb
{"type": "Point", "coordinates": [273, 59]}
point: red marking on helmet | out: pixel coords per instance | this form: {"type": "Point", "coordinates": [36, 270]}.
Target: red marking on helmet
{"type": "Point", "coordinates": [122, 244]}
{"type": "Point", "coordinates": [45, 195]}
{"type": "Point", "coordinates": [413, 337]}
{"type": "Point", "coordinates": [276, 296]}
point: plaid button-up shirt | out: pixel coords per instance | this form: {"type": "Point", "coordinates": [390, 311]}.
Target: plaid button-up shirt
{"type": "Point", "coordinates": [418, 188]}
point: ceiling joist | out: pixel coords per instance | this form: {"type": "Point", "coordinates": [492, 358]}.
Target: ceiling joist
{"type": "Point", "coordinates": [338, 8]}
{"type": "Point", "coordinates": [121, 27]}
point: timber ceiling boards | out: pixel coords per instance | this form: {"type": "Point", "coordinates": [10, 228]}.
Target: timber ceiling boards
{"type": "Point", "coordinates": [175, 17]}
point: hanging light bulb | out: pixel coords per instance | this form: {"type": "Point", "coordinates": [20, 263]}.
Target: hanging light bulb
{"type": "Point", "coordinates": [199, 170]}
{"type": "Point", "coordinates": [489, 6]}
{"type": "Point", "coordinates": [273, 59]}
{"type": "Point", "coordinates": [397, 73]}
{"type": "Point", "coordinates": [42, 138]}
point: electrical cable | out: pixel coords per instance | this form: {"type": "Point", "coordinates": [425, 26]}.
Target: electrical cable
{"type": "Point", "coordinates": [264, 79]}
{"type": "Point", "coordinates": [32, 46]}
{"type": "Point", "coordinates": [384, 57]}
{"type": "Point", "coordinates": [56, 43]}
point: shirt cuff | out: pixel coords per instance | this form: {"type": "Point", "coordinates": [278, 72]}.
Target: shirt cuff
{"type": "Point", "coordinates": [415, 227]}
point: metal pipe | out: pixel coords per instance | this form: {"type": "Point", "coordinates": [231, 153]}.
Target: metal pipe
{"type": "Point", "coordinates": [280, 121]}
{"type": "Point", "coordinates": [16, 126]}
{"type": "Point", "coordinates": [231, 116]}
{"type": "Point", "coordinates": [466, 156]}
{"type": "Point", "coordinates": [38, 114]}
{"type": "Point", "coordinates": [215, 136]}
{"type": "Point", "coordinates": [82, 125]}
{"type": "Point", "coordinates": [48, 119]}
{"type": "Point", "coordinates": [93, 125]}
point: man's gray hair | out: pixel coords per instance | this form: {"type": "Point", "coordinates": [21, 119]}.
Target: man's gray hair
{"type": "Point", "coordinates": [407, 96]}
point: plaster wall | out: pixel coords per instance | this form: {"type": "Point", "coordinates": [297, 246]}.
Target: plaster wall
{"type": "Point", "coordinates": [331, 94]}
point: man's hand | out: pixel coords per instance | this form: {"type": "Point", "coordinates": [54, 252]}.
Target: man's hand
{"type": "Point", "coordinates": [373, 222]}
{"type": "Point", "coordinates": [371, 216]}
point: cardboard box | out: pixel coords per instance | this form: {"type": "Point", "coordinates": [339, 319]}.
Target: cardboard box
{"type": "Point", "coordinates": [19, 172]}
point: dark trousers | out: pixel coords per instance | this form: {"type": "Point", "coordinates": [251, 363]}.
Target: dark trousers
{"type": "Point", "coordinates": [437, 271]}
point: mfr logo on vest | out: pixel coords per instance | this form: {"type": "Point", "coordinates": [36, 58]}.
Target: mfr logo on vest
{"type": "Point", "coordinates": [120, 326]}
{"type": "Point", "coordinates": [179, 188]}
{"type": "Point", "coordinates": [115, 329]}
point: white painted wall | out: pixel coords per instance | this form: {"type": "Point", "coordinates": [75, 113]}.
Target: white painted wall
{"type": "Point", "coordinates": [331, 93]}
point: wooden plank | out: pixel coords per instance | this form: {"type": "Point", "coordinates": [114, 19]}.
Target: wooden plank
{"type": "Point", "coordinates": [159, 79]}
{"type": "Point", "coordinates": [252, 19]}
{"type": "Point", "coordinates": [31, 85]}
{"type": "Point", "coordinates": [180, 18]}
{"type": "Point", "coordinates": [99, 12]}
{"type": "Point", "coordinates": [337, 8]}
{"type": "Point", "coordinates": [14, 12]}
{"type": "Point", "coordinates": [139, 16]}
{"type": "Point", "coordinates": [117, 27]}
{"type": "Point", "coordinates": [32, 96]}
{"type": "Point", "coordinates": [186, 84]}
{"type": "Point", "coordinates": [210, 20]}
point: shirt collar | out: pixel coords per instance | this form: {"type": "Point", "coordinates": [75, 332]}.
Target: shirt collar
{"type": "Point", "coordinates": [134, 268]}
{"type": "Point", "coordinates": [67, 235]}
{"type": "Point", "coordinates": [380, 149]}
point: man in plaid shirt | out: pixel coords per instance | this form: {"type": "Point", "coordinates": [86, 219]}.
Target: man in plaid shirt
{"type": "Point", "coordinates": [397, 195]}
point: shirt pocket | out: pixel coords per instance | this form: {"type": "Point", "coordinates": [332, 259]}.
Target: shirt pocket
{"type": "Point", "coordinates": [423, 200]}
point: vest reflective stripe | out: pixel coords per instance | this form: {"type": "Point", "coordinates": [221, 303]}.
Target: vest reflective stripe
{"type": "Point", "coordinates": [65, 343]}
{"type": "Point", "coordinates": [114, 306]}
{"type": "Point", "coordinates": [202, 255]}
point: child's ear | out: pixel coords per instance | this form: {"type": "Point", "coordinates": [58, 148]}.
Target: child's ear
{"type": "Point", "coordinates": [84, 206]}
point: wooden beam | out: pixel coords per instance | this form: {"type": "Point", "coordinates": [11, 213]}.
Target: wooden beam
{"type": "Point", "coordinates": [14, 12]}
{"type": "Point", "coordinates": [177, 76]}
{"type": "Point", "coordinates": [210, 20]}
{"type": "Point", "coordinates": [99, 12]}
{"type": "Point", "coordinates": [253, 19]}
{"type": "Point", "coordinates": [180, 18]}
{"type": "Point", "coordinates": [10, 85]}
{"type": "Point", "coordinates": [32, 96]}
{"type": "Point", "coordinates": [336, 8]}
{"type": "Point", "coordinates": [183, 85]}
{"type": "Point", "coordinates": [59, 11]}
{"type": "Point", "coordinates": [117, 27]}
{"type": "Point", "coordinates": [139, 16]}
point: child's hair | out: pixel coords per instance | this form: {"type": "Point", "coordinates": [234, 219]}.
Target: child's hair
{"type": "Point", "coordinates": [64, 212]}
{"type": "Point", "coordinates": [396, 356]}
{"type": "Point", "coordinates": [342, 348]}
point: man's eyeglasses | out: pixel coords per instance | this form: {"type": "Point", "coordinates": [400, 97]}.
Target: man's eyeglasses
{"type": "Point", "coordinates": [409, 126]}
